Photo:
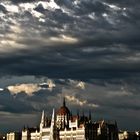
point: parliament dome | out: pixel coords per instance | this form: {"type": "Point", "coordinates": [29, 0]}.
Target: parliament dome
{"type": "Point", "coordinates": [63, 110]}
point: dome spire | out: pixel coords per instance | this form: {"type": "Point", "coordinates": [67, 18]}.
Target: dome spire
{"type": "Point", "coordinates": [64, 102]}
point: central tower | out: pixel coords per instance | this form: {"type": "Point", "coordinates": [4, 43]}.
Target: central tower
{"type": "Point", "coordinates": [62, 116]}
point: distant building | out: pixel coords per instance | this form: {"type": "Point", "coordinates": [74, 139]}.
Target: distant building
{"type": "Point", "coordinates": [30, 134]}
{"type": "Point", "coordinates": [105, 130]}
{"type": "Point", "coordinates": [126, 135]}
{"type": "Point", "coordinates": [13, 136]}
{"type": "Point", "coordinates": [65, 126]}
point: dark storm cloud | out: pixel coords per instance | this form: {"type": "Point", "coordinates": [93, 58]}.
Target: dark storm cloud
{"type": "Point", "coordinates": [10, 103]}
{"type": "Point", "coordinates": [67, 61]}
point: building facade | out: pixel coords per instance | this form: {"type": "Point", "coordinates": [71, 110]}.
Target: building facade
{"type": "Point", "coordinates": [13, 136]}
{"type": "Point", "coordinates": [126, 135]}
{"type": "Point", "coordinates": [65, 126]}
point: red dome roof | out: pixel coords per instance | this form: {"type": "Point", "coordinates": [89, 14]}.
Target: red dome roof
{"type": "Point", "coordinates": [63, 110]}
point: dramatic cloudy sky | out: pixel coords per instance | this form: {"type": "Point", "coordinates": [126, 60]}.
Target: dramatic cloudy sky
{"type": "Point", "coordinates": [85, 50]}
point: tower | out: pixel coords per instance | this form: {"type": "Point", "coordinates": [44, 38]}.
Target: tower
{"type": "Point", "coordinates": [42, 123]}
{"type": "Point", "coordinates": [62, 116]}
{"type": "Point", "coordinates": [52, 128]}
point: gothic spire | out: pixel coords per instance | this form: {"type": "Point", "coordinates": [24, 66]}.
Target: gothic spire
{"type": "Point", "coordinates": [42, 123]}
{"type": "Point", "coordinates": [89, 116]}
{"type": "Point", "coordinates": [43, 117]}
{"type": "Point", "coordinates": [64, 102]}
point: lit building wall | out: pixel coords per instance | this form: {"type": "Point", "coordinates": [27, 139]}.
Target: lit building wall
{"type": "Point", "coordinates": [35, 136]}
{"type": "Point", "coordinates": [64, 126]}
{"type": "Point", "coordinates": [13, 136]}
{"type": "Point", "coordinates": [77, 134]}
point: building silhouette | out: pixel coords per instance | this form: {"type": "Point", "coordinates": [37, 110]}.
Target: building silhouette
{"type": "Point", "coordinates": [63, 125]}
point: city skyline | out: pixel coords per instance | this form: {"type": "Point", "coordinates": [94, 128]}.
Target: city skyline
{"type": "Point", "coordinates": [63, 125]}
{"type": "Point", "coordinates": [85, 50]}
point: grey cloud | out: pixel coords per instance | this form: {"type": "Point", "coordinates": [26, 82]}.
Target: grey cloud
{"type": "Point", "coordinates": [10, 103]}
{"type": "Point", "coordinates": [8, 119]}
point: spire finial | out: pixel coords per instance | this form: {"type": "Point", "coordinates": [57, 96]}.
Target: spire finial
{"type": "Point", "coordinates": [78, 113]}
{"type": "Point", "coordinates": [64, 102]}
{"type": "Point", "coordinates": [90, 115]}
{"type": "Point", "coordinates": [83, 113]}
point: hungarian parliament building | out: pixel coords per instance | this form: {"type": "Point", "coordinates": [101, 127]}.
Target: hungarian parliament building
{"type": "Point", "coordinates": [65, 126]}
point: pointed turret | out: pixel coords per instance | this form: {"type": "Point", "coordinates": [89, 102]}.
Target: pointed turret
{"type": "Point", "coordinates": [89, 116]}
{"type": "Point", "coordinates": [83, 114]}
{"type": "Point", "coordinates": [43, 116]}
{"type": "Point", "coordinates": [78, 113]}
{"type": "Point", "coordinates": [52, 126]}
{"type": "Point", "coordinates": [53, 118]}
{"type": "Point", "coordinates": [42, 123]}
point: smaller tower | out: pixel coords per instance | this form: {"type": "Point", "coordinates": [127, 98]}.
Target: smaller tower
{"type": "Point", "coordinates": [62, 116]}
{"type": "Point", "coordinates": [42, 123]}
{"type": "Point", "coordinates": [52, 126]}
{"type": "Point", "coordinates": [89, 116]}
